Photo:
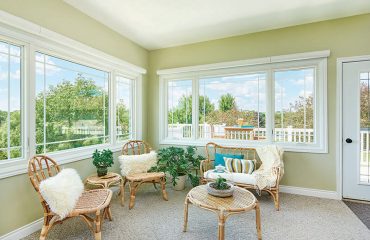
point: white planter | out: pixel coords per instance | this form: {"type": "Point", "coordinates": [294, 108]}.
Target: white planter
{"type": "Point", "coordinates": [180, 183]}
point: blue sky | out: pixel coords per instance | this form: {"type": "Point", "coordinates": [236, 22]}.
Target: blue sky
{"type": "Point", "coordinates": [250, 90]}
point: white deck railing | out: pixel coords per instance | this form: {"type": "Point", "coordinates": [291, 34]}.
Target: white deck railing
{"type": "Point", "coordinates": [299, 135]}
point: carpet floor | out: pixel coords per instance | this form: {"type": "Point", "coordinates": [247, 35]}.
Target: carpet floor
{"type": "Point", "coordinates": [152, 218]}
{"type": "Point", "coordinates": [362, 211]}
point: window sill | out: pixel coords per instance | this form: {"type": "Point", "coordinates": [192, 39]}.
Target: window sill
{"type": "Point", "coordinates": [287, 147]}
{"type": "Point", "coordinates": [9, 168]}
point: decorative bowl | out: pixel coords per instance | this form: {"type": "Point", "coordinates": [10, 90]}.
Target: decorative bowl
{"type": "Point", "coordinates": [220, 193]}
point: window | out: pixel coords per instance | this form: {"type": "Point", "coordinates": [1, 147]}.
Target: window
{"type": "Point", "coordinates": [294, 106]}
{"type": "Point", "coordinates": [62, 98]}
{"type": "Point", "coordinates": [280, 101]}
{"type": "Point", "coordinates": [10, 101]}
{"type": "Point", "coordinates": [225, 102]}
{"type": "Point", "coordinates": [72, 105]}
{"type": "Point", "coordinates": [124, 108]}
{"type": "Point", "coordinates": [179, 109]}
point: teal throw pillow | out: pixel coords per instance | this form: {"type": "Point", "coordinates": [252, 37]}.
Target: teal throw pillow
{"type": "Point", "coordinates": [219, 158]}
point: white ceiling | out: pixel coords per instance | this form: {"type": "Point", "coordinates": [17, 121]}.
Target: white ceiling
{"type": "Point", "coordinates": [157, 24]}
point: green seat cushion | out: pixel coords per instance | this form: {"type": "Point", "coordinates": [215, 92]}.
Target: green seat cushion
{"type": "Point", "coordinates": [219, 158]}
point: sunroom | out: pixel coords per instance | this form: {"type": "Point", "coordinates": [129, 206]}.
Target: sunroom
{"type": "Point", "coordinates": [184, 119]}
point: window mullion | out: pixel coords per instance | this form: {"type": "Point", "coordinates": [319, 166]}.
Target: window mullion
{"type": "Point", "coordinates": [112, 122]}
{"type": "Point", "coordinates": [30, 104]}
{"type": "Point", "coordinates": [270, 106]}
{"type": "Point", "coordinates": [195, 107]}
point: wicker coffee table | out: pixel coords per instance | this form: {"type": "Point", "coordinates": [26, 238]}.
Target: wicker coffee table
{"type": "Point", "coordinates": [111, 179]}
{"type": "Point", "coordinates": [242, 201]}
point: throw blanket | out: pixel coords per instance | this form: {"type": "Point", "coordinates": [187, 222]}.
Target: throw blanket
{"type": "Point", "coordinates": [271, 157]}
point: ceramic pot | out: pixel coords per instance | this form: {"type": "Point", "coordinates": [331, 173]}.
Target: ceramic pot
{"type": "Point", "coordinates": [180, 183]}
{"type": "Point", "coordinates": [102, 171]}
{"type": "Point", "coordinates": [220, 193]}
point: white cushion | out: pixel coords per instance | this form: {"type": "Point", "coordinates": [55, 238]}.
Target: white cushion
{"type": "Point", "coordinates": [62, 191]}
{"type": "Point", "coordinates": [232, 177]}
{"type": "Point", "coordinates": [137, 163]}
{"type": "Point", "coordinates": [242, 178]}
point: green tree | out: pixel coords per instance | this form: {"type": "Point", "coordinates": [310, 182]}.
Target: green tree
{"type": "Point", "coordinates": [183, 112]}
{"type": "Point", "coordinates": [227, 103]}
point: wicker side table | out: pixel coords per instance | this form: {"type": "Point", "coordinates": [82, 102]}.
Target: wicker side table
{"type": "Point", "coordinates": [111, 179]}
{"type": "Point", "coordinates": [242, 201]}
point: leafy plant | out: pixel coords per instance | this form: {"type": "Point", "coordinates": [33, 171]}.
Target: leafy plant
{"type": "Point", "coordinates": [179, 162]}
{"type": "Point", "coordinates": [103, 159]}
{"type": "Point", "coordinates": [220, 184]}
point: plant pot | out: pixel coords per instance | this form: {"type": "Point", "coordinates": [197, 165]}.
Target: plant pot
{"type": "Point", "coordinates": [102, 171]}
{"type": "Point", "coordinates": [180, 183]}
{"type": "Point", "coordinates": [220, 193]}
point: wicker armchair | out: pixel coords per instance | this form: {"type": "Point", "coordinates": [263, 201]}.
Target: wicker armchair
{"type": "Point", "coordinates": [93, 202]}
{"type": "Point", "coordinates": [137, 147]}
{"type": "Point", "coordinates": [250, 154]}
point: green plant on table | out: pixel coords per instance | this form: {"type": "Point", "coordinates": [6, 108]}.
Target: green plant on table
{"type": "Point", "coordinates": [102, 160]}
{"type": "Point", "coordinates": [220, 184]}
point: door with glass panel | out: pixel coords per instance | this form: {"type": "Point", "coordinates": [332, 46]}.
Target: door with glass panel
{"type": "Point", "coordinates": [356, 130]}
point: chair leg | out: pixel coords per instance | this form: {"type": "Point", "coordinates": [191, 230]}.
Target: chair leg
{"type": "Point", "coordinates": [275, 195]}
{"type": "Point", "coordinates": [133, 187]}
{"type": "Point", "coordinates": [122, 192]}
{"type": "Point", "coordinates": [44, 232]}
{"type": "Point", "coordinates": [97, 222]}
{"type": "Point", "coordinates": [163, 185]}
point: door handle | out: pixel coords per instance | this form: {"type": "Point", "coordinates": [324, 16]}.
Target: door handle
{"type": "Point", "coordinates": [348, 140]}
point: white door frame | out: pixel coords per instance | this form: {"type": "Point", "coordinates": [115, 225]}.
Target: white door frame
{"type": "Point", "coordinates": [339, 115]}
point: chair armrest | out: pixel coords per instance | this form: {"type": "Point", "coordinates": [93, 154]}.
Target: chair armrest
{"type": "Point", "coordinates": [205, 165]}
{"type": "Point", "coordinates": [277, 172]}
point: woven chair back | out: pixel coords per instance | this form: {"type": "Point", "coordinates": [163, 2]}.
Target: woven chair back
{"type": "Point", "coordinates": [213, 148]}
{"type": "Point", "coordinates": [136, 147]}
{"type": "Point", "coordinates": [41, 167]}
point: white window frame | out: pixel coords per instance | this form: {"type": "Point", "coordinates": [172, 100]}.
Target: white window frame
{"type": "Point", "coordinates": [34, 39]}
{"type": "Point", "coordinates": [269, 65]}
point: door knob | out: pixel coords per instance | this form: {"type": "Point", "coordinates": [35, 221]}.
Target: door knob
{"type": "Point", "coordinates": [348, 140]}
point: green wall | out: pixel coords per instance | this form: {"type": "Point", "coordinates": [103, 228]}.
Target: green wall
{"type": "Point", "coordinates": [19, 201]}
{"type": "Point", "coordinates": [344, 37]}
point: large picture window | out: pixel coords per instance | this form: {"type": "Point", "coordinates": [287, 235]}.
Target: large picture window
{"type": "Point", "coordinates": [72, 105]}
{"type": "Point", "coordinates": [10, 101]}
{"type": "Point", "coordinates": [274, 103]}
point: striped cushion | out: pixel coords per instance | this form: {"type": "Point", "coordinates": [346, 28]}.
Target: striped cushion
{"type": "Point", "coordinates": [239, 165]}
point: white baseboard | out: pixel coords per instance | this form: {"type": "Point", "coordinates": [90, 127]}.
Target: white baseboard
{"type": "Point", "coordinates": [23, 231]}
{"type": "Point", "coordinates": [310, 192]}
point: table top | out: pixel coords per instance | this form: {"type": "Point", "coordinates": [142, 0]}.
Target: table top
{"type": "Point", "coordinates": [110, 177]}
{"type": "Point", "coordinates": [242, 200]}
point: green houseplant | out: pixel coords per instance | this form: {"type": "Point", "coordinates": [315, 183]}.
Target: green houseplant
{"type": "Point", "coordinates": [179, 163]}
{"type": "Point", "coordinates": [220, 188]}
{"type": "Point", "coordinates": [102, 160]}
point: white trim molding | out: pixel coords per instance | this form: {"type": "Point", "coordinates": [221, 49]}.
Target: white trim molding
{"type": "Point", "coordinates": [23, 231]}
{"type": "Point", "coordinates": [247, 62]}
{"type": "Point", "coordinates": [310, 192]}
{"type": "Point", "coordinates": [339, 117]}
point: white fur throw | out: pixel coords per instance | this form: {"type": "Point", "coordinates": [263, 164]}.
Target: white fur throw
{"type": "Point", "coordinates": [62, 191]}
{"type": "Point", "coordinates": [137, 163]}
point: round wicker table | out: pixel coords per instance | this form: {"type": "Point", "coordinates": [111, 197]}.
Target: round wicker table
{"type": "Point", "coordinates": [111, 179]}
{"type": "Point", "coordinates": [242, 201]}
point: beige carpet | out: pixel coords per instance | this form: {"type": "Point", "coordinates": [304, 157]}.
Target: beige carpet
{"type": "Point", "coordinates": [300, 217]}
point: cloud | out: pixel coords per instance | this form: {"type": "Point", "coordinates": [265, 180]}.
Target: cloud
{"type": "Point", "coordinates": [50, 66]}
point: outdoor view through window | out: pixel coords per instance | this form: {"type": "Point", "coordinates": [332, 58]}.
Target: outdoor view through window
{"type": "Point", "coordinates": [235, 107]}
{"type": "Point", "coordinates": [10, 101]}
{"type": "Point", "coordinates": [72, 105]}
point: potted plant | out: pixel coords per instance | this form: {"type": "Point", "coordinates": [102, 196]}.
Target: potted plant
{"type": "Point", "coordinates": [220, 188]}
{"type": "Point", "coordinates": [179, 164]}
{"type": "Point", "coordinates": [102, 160]}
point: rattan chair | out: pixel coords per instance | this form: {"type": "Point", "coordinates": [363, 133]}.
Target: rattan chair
{"type": "Point", "coordinates": [137, 147]}
{"type": "Point", "coordinates": [93, 202]}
